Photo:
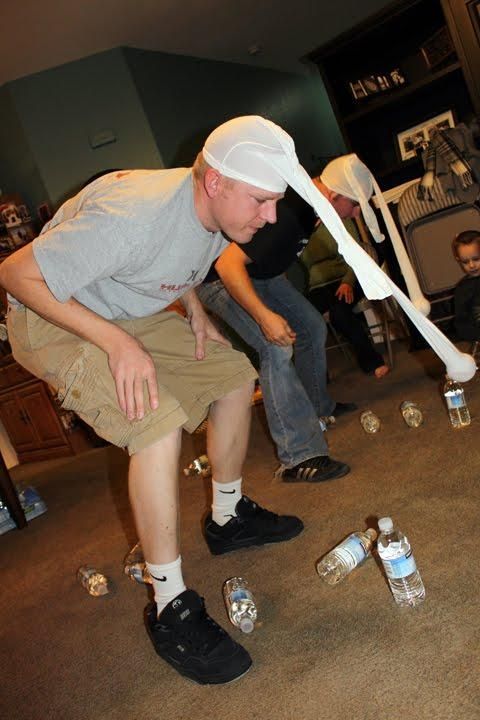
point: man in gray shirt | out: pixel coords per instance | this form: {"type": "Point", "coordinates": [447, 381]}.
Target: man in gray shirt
{"type": "Point", "coordinates": [87, 302]}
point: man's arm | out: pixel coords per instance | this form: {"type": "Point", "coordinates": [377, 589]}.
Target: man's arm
{"type": "Point", "coordinates": [129, 363]}
{"type": "Point", "coordinates": [231, 267]}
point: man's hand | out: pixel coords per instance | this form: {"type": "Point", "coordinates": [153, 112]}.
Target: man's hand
{"type": "Point", "coordinates": [276, 329]}
{"type": "Point", "coordinates": [132, 366]}
{"type": "Point", "coordinates": [345, 292]}
{"type": "Point", "coordinates": [204, 329]}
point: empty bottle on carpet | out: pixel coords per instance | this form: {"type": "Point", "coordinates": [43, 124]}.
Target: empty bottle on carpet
{"type": "Point", "coordinates": [345, 557]}
{"type": "Point", "coordinates": [397, 558]}
{"type": "Point", "coordinates": [240, 604]}
{"type": "Point", "coordinates": [134, 565]}
{"type": "Point", "coordinates": [412, 414]}
{"type": "Point", "coordinates": [456, 403]}
{"type": "Point", "coordinates": [199, 466]}
{"type": "Point", "coordinates": [93, 581]}
{"type": "Point", "coordinates": [370, 422]}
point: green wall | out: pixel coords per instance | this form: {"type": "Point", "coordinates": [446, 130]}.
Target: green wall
{"type": "Point", "coordinates": [185, 98]}
{"type": "Point", "coordinates": [158, 107]}
{"type": "Point", "coordinates": [61, 109]}
{"type": "Point", "coordinates": [18, 167]}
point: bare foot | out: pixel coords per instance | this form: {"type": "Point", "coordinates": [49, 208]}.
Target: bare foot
{"type": "Point", "coordinates": [381, 371]}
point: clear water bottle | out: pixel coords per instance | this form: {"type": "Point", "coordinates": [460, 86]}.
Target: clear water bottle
{"type": "Point", "coordinates": [370, 422]}
{"type": "Point", "coordinates": [456, 404]}
{"type": "Point", "coordinates": [411, 413]}
{"type": "Point", "coordinates": [344, 558]}
{"type": "Point", "coordinates": [400, 567]}
{"type": "Point", "coordinates": [93, 581]}
{"type": "Point", "coordinates": [326, 420]}
{"type": "Point", "coordinates": [134, 565]}
{"type": "Point", "coordinates": [199, 466]}
{"type": "Point", "coordinates": [240, 604]}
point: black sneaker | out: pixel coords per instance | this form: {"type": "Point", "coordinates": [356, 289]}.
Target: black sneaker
{"type": "Point", "coordinates": [252, 525]}
{"type": "Point", "coordinates": [343, 408]}
{"type": "Point", "coordinates": [315, 470]}
{"type": "Point", "coordinates": [191, 641]}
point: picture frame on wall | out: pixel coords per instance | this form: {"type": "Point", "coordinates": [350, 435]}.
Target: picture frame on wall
{"type": "Point", "coordinates": [438, 48]}
{"type": "Point", "coordinates": [370, 85]}
{"type": "Point", "coordinates": [473, 7]}
{"type": "Point", "coordinates": [416, 138]}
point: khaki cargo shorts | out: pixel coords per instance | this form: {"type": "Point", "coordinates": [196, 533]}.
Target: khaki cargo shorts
{"type": "Point", "coordinates": [79, 372]}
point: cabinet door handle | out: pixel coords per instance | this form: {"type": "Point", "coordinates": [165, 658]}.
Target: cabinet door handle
{"type": "Point", "coordinates": [24, 416]}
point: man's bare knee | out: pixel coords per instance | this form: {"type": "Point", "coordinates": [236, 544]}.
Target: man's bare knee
{"type": "Point", "coordinates": [242, 394]}
{"type": "Point", "coordinates": [165, 445]}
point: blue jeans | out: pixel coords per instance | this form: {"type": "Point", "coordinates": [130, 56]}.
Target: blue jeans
{"type": "Point", "coordinates": [294, 384]}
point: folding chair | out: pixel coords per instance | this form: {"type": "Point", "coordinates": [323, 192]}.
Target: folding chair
{"type": "Point", "coordinates": [429, 244]}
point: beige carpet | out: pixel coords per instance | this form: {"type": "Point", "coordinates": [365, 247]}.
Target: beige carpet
{"type": "Point", "coordinates": [319, 653]}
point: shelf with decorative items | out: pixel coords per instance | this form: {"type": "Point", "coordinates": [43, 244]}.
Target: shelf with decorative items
{"type": "Point", "coordinates": [395, 77]}
{"type": "Point", "coordinates": [17, 227]}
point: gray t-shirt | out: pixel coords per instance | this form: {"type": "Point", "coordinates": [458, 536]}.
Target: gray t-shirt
{"type": "Point", "coordinates": [128, 244]}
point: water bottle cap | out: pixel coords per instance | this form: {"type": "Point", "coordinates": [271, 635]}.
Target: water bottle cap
{"type": "Point", "coordinates": [385, 524]}
{"type": "Point", "coordinates": [246, 625]}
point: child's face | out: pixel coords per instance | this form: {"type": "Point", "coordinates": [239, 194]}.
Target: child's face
{"type": "Point", "coordinates": [469, 258]}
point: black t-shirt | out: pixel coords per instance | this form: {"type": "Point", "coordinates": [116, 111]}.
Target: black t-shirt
{"type": "Point", "coordinates": [274, 248]}
{"type": "Point", "coordinates": [467, 308]}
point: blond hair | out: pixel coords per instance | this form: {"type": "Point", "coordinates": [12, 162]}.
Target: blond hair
{"type": "Point", "coordinates": [200, 167]}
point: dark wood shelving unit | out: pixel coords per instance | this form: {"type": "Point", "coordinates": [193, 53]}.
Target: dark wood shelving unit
{"type": "Point", "coordinates": [393, 38]}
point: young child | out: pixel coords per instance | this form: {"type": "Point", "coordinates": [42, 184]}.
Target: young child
{"type": "Point", "coordinates": [466, 248]}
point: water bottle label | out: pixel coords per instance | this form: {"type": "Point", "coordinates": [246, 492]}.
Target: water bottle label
{"type": "Point", "coordinates": [240, 595]}
{"type": "Point", "coordinates": [400, 567]}
{"type": "Point", "coordinates": [454, 401]}
{"type": "Point", "coordinates": [351, 549]}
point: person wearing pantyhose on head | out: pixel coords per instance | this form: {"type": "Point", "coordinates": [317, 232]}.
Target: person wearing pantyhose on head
{"type": "Point", "coordinates": [87, 301]}
{"type": "Point", "coordinates": [347, 184]}
{"type": "Point", "coordinates": [248, 289]}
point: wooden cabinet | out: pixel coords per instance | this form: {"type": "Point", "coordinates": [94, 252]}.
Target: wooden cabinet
{"type": "Point", "coordinates": [399, 37]}
{"type": "Point", "coordinates": [29, 415]}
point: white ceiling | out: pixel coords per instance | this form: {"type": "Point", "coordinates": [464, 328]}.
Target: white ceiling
{"type": "Point", "coordinates": [40, 34]}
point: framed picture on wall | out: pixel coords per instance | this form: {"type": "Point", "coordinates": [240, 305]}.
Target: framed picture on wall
{"type": "Point", "coordinates": [416, 138]}
{"type": "Point", "coordinates": [437, 48]}
{"type": "Point", "coordinates": [474, 12]}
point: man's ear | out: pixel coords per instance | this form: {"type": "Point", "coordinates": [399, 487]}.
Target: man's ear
{"type": "Point", "coordinates": [212, 181]}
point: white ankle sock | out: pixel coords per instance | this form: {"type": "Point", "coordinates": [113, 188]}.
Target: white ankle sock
{"type": "Point", "coordinates": [225, 497]}
{"type": "Point", "coordinates": [167, 581]}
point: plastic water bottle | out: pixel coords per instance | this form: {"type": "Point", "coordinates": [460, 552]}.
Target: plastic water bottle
{"type": "Point", "coordinates": [411, 413]}
{"type": "Point", "coordinates": [199, 466]}
{"type": "Point", "coordinates": [134, 565]}
{"type": "Point", "coordinates": [370, 422]}
{"type": "Point", "coordinates": [326, 420]}
{"type": "Point", "coordinates": [456, 404]}
{"type": "Point", "coordinates": [240, 604]}
{"type": "Point", "coordinates": [344, 558]}
{"type": "Point", "coordinates": [400, 567]}
{"type": "Point", "coordinates": [93, 581]}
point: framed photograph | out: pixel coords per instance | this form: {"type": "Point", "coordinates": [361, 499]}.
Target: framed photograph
{"type": "Point", "coordinates": [376, 84]}
{"type": "Point", "coordinates": [437, 48]}
{"type": "Point", "coordinates": [417, 137]}
{"type": "Point", "coordinates": [474, 12]}
{"type": "Point", "coordinates": [397, 77]}
{"type": "Point", "coordinates": [358, 90]}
